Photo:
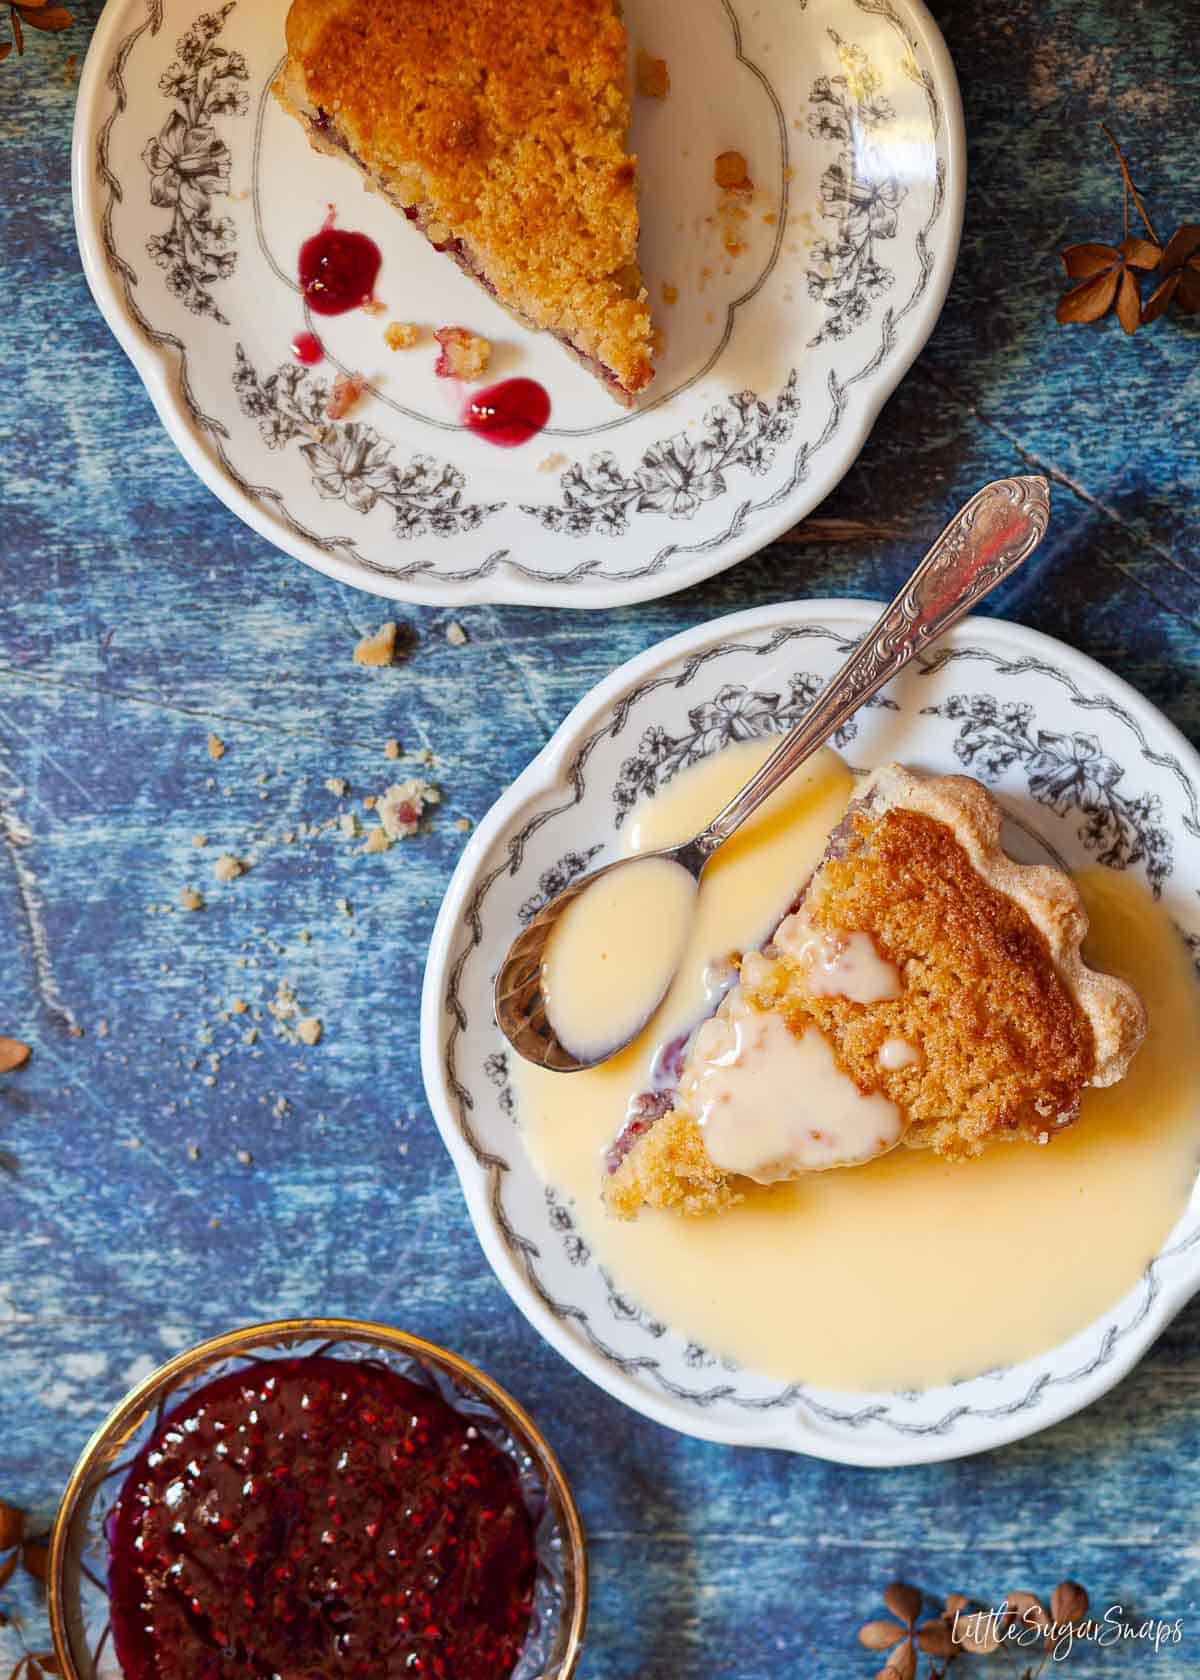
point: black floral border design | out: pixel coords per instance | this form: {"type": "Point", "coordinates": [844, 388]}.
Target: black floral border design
{"type": "Point", "coordinates": [1067, 772]}
{"type": "Point", "coordinates": [849, 276]}
{"type": "Point", "coordinates": [216, 434]}
{"type": "Point", "coordinates": [350, 462]}
{"type": "Point", "coordinates": [495, 1167]}
{"type": "Point", "coordinates": [677, 475]}
{"type": "Point", "coordinates": [189, 164]}
{"type": "Point", "coordinates": [735, 713]}
{"type": "Point", "coordinates": [552, 881]}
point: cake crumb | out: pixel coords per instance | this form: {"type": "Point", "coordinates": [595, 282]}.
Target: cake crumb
{"type": "Point", "coordinates": [216, 747]}
{"type": "Point", "coordinates": [348, 822]}
{"type": "Point", "coordinates": [199, 839]}
{"type": "Point", "coordinates": [228, 868]}
{"type": "Point", "coordinates": [554, 462]}
{"type": "Point", "coordinates": [730, 173]}
{"type": "Point", "coordinates": [463, 823]}
{"type": "Point", "coordinates": [455, 634]}
{"type": "Point", "coordinates": [309, 1029]}
{"type": "Point", "coordinates": [370, 801]}
{"type": "Point", "coordinates": [377, 841]}
{"type": "Point", "coordinates": [238, 1005]}
{"type": "Point", "coordinates": [372, 306]}
{"type": "Point", "coordinates": [401, 807]}
{"type": "Point", "coordinates": [401, 335]}
{"type": "Point", "coordinates": [245, 1157]}
{"type": "Point", "coordinates": [378, 648]}
{"type": "Point", "coordinates": [191, 899]}
{"type": "Point", "coordinates": [653, 76]}
{"type": "Point", "coordinates": [347, 393]}
{"type": "Point", "coordinates": [391, 749]}
{"type": "Point", "coordinates": [670, 294]}
{"type": "Point", "coordinates": [464, 354]}
{"type": "Point", "coordinates": [338, 785]}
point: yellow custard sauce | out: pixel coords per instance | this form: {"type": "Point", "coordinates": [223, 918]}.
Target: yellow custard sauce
{"type": "Point", "coordinates": [908, 1271]}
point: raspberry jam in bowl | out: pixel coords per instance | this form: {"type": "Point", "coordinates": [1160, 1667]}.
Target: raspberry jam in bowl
{"type": "Point", "coordinates": [317, 1497]}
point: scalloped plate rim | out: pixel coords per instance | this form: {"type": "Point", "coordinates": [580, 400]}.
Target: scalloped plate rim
{"type": "Point", "coordinates": [546, 773]}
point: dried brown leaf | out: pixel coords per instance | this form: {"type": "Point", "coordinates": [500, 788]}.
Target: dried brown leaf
{"type": "Point", "coordinates": [903, 1601]}
{"type": "Point", "coordinates": [7, 1566]}
{"type": "Point", "coordinates": [18, 33]}
{"type": "Point", "coordinates": [1187, 294]}
{"type": "Point", "coordinates": [1140, 253]}
{"type": "Point", "coordinates": [32, 1669]}
{"type": "Point", "coordinates": [29, 5]}
{"type": "Point", "coordinates": [1028, 1609]}
{"type": "Point", "coordinates": [36, 1559]}
{"type": "Point", "coordinates": [1090, 299]}
{"type": "Point", "coordinates": [902, 1664]}
{"type": "Point", "coordinates": [50, 17]}
{"type": "Point", "coordinates": [953, 1605]}
{"type": "Point", "coordinates": [1069, 1602]}
{"type": "Point", "coordinates": [47, 1661]}
{"type": "Point", "coordinates": [13, 1054]}
{"type": "Point", "coordinates": [1183, 243]}
{"type": "Point", "coordinates": [934, 1638]}
{"type": "Point", "coordinates": [978, 1633]}
{"type": "Point", "coordinates": [1160, 298]}
{"type": "Point", "coordinates": [12, 1521]}
{"type": "Point", "coordinates": [880, 1636]}
{"type": "Point", "coordinates": [5, 49]}
{"type": "Point", "coordinates": [1082, 261]}
{"type": "Point", "coordinates": [1129, 302]}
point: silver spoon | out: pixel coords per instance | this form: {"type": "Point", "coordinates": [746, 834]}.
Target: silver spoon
{"type": "Point", "coordinates": [983, 544]}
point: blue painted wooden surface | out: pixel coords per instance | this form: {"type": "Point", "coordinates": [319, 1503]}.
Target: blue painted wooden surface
{"type": "Point", "coordinates": [150, 1197]}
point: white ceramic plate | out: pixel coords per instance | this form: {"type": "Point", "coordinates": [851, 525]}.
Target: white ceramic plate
{"type": "Point", "coordinates": [194, 192]}
{"type": "Point", "coordinates": [1086, 771]}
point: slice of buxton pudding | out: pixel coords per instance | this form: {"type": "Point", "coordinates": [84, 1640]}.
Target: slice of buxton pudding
{"type": "Point", "coordinates": [500, 132]}
{"type": "Point", "coordinates": [936, 987]}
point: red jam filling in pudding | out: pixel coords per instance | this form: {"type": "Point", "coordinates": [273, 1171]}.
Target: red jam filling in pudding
{"type": "Point", "coordinates": [320, 1517]}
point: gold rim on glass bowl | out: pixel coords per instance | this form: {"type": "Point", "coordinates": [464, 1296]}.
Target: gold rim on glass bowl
{"type": "Point", "coordinates": [79, 1640]}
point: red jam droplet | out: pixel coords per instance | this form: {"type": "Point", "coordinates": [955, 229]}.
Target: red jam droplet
{"type": "Point", "coordinates": [319, 1516]}
{"type": "Point", "coordinates": [338, 270]}
{"type": "Point", "coordinates": [508, 413]}
{"type": "Point", "coordinates": [307, 348]}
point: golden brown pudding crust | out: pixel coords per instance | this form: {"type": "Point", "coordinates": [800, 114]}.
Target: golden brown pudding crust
{"type": "Point", "coordinates": [506, 127]}
{"type": "Point", "coordinates": [1007, 1024]}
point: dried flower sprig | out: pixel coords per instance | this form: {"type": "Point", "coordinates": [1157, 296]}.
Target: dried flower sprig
{"type": "Point", "coordinates": [1110, 275]}
{"type": "Point", "coordinates": [32, 14]}
{"type": "Point", "coordinates": [1021, 1621]}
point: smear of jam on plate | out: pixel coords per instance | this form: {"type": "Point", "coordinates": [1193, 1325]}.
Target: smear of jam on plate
{"type": "Point", "coordinates": [338, 269]}
{"type": "Point", "coordinates": [307, 348]}
{"type": "Point", "coordinates": [319, 1516]}
{"type": "Point", "coordinates": [509, 413]}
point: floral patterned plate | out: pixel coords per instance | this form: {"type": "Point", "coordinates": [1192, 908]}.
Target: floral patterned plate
{"type": "Point", "coordinates": [788, 325]}
{"type": "Point", "coordinates": [1086, 772]}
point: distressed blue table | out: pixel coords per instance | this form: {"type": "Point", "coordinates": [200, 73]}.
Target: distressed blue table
{"type": "Point", "coordinates": [161, 1178]}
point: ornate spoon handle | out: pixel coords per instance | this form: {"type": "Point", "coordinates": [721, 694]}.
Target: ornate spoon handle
{"type": "Point", "coordinates": [983, 544]}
